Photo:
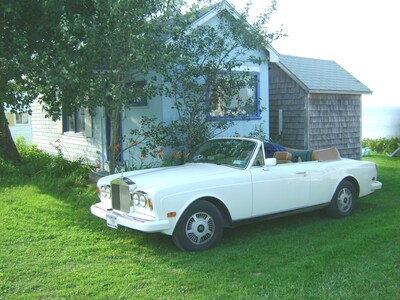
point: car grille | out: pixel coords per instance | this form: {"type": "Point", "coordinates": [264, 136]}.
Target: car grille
{"type": "Point", "coordinates": [120, 194]}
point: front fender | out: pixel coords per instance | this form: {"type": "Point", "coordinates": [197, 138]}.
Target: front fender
{"type": "Point", "coordinates": [175, 205]}
{"type": "Point", "coordinates": [234, 202]}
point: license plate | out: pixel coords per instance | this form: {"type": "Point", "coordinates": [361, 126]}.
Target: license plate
{"type": "Point", "coordinates": [112, 221]}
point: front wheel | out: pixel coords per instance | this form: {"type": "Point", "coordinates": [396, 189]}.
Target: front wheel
{"type": "Point", "coordinates": [342, 203]}
{"type": "Point", "coordinates": [199, 228]}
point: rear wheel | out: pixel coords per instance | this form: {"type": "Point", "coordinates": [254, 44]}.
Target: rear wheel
{"type": "Point", "coordinates": [199, 228]}
{"type": "Point", "coordinates": [343, 201]}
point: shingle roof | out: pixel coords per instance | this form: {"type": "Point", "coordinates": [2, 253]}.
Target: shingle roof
{"type": "Point", "coordinates": [322, 75]}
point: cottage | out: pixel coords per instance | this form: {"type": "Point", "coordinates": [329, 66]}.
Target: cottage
{"type": "Point", "coordinates": [82, 134]}
{"type": "Point", "coordinates": [315, 104]}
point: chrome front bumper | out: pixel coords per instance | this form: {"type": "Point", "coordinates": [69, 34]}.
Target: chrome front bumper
{"type": "Point", "coordinates": [101, 210]}
{"type": "Point", "coordinates": [376, 185]}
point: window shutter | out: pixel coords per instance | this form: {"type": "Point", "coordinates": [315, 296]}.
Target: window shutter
{"type": "Point", "coordinates": [88, 124]}
{"type": "Point", "coordinates": [59, 125]}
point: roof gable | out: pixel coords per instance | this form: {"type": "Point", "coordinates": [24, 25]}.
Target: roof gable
{"type": "Point", "coordinates": [204, 15]}
{"type": "Point", "coordinates": [210, 12]}
{"type": "Point", "coordinates": [321, 76]}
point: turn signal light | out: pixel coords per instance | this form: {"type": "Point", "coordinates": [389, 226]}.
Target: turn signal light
{"type": "Point", "coordinates": [150, 204]}
{"type": "Point", "coordinates": [171, 214]}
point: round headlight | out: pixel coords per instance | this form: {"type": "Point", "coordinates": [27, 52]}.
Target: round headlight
{"type": "Point", "coordinates": [103, 191]}
{"type": "Point", "coordinates": [135, 199]}
{"type": "Point", "coordinates": [108, 192]}
{"type": "Point", "coordinates": [142, 200]}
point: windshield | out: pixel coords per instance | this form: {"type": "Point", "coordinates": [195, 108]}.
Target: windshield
{"type": "Point", "coordinates": [230, 152]}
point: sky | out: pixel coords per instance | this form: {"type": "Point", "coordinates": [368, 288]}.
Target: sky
{"type": "Point", "coordinates": [360, 35]}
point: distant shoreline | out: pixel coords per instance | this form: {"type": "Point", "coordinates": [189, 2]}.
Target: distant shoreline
{"type": "Point", "coordinates": [380, 121]}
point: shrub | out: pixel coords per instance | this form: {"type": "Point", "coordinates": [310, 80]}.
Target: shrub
{"type": "Point", "coordinates": [7, 167]}
{"type": "Point", "coordinates": [381, 145]}
{"type": "Point", "coordinates": [40, 165]}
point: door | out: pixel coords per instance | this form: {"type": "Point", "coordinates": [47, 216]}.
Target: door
{"type": "Point", "coordinates": [279, 188]}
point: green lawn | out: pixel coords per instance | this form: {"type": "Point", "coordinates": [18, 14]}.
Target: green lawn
{"type": "Point", "coordinates": [52, 247]}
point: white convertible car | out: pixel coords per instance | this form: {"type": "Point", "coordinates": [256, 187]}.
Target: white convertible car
{"type": "Point", "coordinates": [230, 181]}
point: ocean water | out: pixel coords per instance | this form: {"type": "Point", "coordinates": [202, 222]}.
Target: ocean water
{"type": "Point", "coordinates": [378, 122]}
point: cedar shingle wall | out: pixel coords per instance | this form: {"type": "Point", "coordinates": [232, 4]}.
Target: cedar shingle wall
{"type": "Point", "coordinates": [335, 120]}
{"type": "Point", "coordinates": [287, 95]}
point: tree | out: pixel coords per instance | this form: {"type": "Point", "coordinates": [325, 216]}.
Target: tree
{"type": "Point", "coordinates": [106, 57]}
{"type": "Point", "coordinates": [73, 54]}
{"type": "Point", "coordinates": [201, 73]}
{"type": "Point", "coordinates": [16, 45]}
{"type": "Point", "coordinates": [29, 28]}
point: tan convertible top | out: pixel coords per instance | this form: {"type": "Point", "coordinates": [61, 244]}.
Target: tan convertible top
{"type": "Point", "coordinates": [293, 155]}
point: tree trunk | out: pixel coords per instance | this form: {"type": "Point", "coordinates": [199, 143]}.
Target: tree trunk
{"type": "Point", "coordinates": [114, 140]}
{"type": "Point", "coordinates": [8, 150]}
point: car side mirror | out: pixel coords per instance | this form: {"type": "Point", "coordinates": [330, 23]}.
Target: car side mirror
{"type": "Point", "coordinates": [270, 162]}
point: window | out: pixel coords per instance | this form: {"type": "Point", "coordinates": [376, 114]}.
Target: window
{"type": "Point", "coordinates": [259, 160]}
{"type": "Point", "coordinates": [75, 122]}
{"type": "Point", "coordinates": [236, 97]}
{"type": "Point", "coordinates": [21, 118]}
{"type": "Point", "coordinates": [234, 153]}
{"type": "Point", "coordinates": [138, 89]}
{"type": "Point", "coordinates": [78, 122]}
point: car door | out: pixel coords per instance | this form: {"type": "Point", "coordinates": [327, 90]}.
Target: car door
{"type": "Point", "coordinates": [279, 188]}
{"type": "Point", "coordinates": [324, 178]}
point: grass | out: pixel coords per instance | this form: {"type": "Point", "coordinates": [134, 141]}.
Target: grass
{"type": "Point", "coordinates": [52, 247]}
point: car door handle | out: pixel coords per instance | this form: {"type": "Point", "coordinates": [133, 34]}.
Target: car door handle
{"type": "Point", "coordinates": [301, 173]}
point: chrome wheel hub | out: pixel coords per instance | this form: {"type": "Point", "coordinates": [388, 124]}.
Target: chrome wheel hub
{"type": "Point", "coordinates": [345, 200]}
{"type": "Point", "coordinates": [200, 228]}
